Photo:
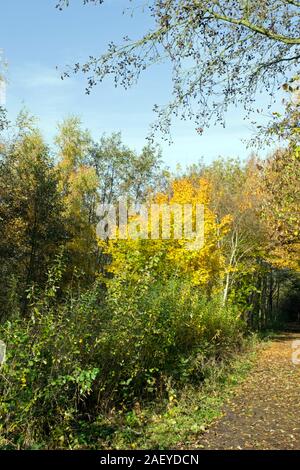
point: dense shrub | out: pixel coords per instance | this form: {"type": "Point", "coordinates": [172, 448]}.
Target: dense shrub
{"type": "Point", "coordinates": [107, 348]}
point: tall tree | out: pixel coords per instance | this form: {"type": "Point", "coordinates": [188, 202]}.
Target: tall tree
{"type": "Point", "coordinates": [280, 182]}
{"type": "Point", "coordinates": [78, 183]}
{"type": "Point", "coordinates": [123, 172]}
{"type": "Point", "coordinates": [235, 193]}
{"type": "Point", "coordinates": [31, 222]}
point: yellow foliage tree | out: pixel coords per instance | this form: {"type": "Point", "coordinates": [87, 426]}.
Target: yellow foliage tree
{"type": "Point", "coordinates": [203, 264]}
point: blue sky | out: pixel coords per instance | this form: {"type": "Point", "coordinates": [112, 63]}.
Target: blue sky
{"type": "Point", "coordinates": [36, 38]}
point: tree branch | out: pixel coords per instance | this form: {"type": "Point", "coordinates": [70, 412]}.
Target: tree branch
{"type": "Point", "coordinates": [293, 2]}
{"type": "Point", "coordinates": [247, 24]}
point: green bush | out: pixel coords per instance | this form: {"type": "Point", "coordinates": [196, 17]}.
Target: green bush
{"type": "Point", "coordinates": [154, 328]}
{"type": "Point", "coordinates": [107, 348]}
{"type": "Point", "coordinates": [47, 375]}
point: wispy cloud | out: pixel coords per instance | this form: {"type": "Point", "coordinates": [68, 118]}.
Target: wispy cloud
{"type": "Point", "coordinates": [39, 76]}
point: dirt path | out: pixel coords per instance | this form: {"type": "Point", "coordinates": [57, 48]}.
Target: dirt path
{"type": "Point", "coordinates": [265, 411]}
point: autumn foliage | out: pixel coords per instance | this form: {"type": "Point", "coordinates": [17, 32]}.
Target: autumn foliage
{"type": "Point", "coordinates": [95, 326]}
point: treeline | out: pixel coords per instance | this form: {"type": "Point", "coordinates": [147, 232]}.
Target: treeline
{"type": "Point", "coordinates": [94, 327]}
{"type": "Point", "coordinates": [49, 200]}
